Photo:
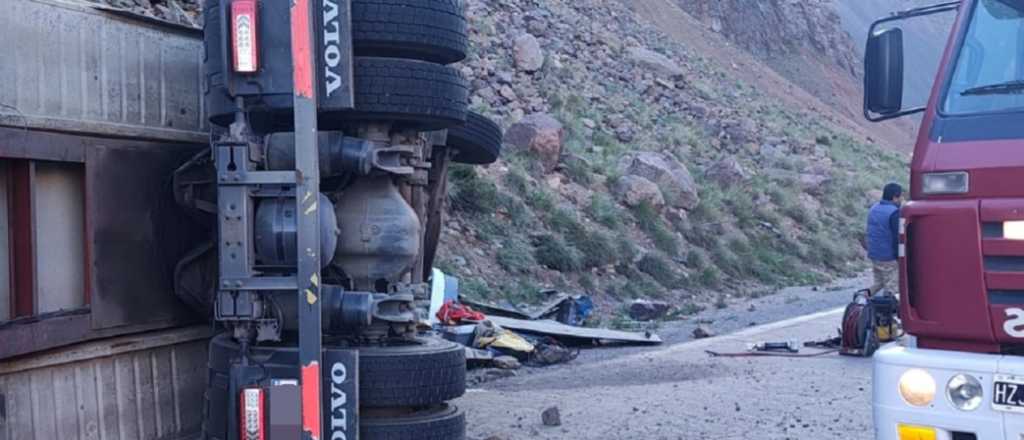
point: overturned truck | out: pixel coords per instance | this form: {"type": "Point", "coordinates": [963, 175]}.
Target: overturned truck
{"type": "Point", "coordinates": [307, 226]}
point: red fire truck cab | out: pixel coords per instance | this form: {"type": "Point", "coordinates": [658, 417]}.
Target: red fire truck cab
{"type": "Point", "coordinates": [961, 376]}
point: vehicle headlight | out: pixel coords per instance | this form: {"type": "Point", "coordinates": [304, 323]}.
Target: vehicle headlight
{"type": "Point", "coordinates": [947, 183]}
{"type": "Point", "coordinates": [918, 387]}
{"type": "Point", "coordinates": [965, 392]}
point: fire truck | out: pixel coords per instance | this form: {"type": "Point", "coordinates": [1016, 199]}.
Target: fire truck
{"type": "Point", "coordinates": [961, 252]}
{"type": "Point", "coordinates": [229, 232]}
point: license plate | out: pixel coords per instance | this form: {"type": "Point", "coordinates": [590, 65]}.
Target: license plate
{"type": "Point", "coordinates": [1008, 394]}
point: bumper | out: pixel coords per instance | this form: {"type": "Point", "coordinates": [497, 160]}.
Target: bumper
{"type": "Point", "coordinates": [891, 411]}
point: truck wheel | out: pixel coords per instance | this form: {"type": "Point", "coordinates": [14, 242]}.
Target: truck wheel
{"type": "Point", "coordinates": [428, 30]}
{"type": "Point", "coordinates": [414, 94]}
{"type": "Point", "coordinates": [443, 422]}
{"type": "Point", "coordinates": [477, 142]}
{"type": "Point", "coordinates": [427, 373]}
{"type": "Point", "coordinates": [406, 93]}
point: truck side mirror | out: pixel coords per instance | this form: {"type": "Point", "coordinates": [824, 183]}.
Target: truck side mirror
{"type": "Point", "coordinates": [883, 72]}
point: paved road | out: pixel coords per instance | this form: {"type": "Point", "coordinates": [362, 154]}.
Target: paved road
{"type": "Point", "coordinates": [679, 392]}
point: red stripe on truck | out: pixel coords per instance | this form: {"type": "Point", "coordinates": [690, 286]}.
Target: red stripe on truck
{"type": "Point", "coordinates": [311, 400]}
{"type": "Point", "coordinates": [302, 49]}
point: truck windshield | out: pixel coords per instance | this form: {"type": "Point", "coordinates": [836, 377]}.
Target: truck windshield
{"type": "Point", "coordinates": [989, 74]}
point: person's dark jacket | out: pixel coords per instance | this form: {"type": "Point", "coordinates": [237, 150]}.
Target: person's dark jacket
{"type": "Point", "coordinates": [883, 231]}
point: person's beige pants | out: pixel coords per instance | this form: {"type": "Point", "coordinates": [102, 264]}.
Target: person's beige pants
{"type": "Point", "coordinates": [887, 276]}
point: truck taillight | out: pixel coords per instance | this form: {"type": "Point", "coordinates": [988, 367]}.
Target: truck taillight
{"type": "Point", "coordinates": [245, 36]}
{"type": "Point", "coordinates": [252, 417]}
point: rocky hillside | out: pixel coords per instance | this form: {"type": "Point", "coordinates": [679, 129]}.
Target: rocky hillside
{"type": "Point", "coordinates": [645, 159]}
{"type": "Point", "coordinates": [637, 166]}
{"type": "Point", "coordinates": [809, 44]}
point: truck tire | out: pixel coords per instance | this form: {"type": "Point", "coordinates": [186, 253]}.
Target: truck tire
{"type": "Point", "coordinates": [428, 373]}
{"type": "Point", "coordinates": [443, 422]}
{"type": "Point", "coordinates": [424, 373]}
{"type": "Point", "coordinates": [410, 94]}
{"type": "Point", "coordinates": [477, 142]}
{"type": "Point", "coordinates": [415, 94]}
{"type": "Point", "coordinates": [428, 30]}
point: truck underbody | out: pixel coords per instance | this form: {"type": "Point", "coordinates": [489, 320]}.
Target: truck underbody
{"type": "Point", "coordinates": [305, 227]}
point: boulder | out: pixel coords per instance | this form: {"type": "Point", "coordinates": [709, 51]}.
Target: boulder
{"type": "Point", "coordinates": [655, 62]}
{"type": "Point", "coordinates": [644, 310]}
{"type": "Point", "coordinates": [703, 332]}
{"type": "Point", "coordinates": [529, 56]}
{"type": "Point", "coordinates": [635, 190]}
{"type": "Point", "coordinates": [541, 134]}
{"type": "Point", "coordinates": [727, 172]}
{"type": "Point", "coordinates": [676, 184]}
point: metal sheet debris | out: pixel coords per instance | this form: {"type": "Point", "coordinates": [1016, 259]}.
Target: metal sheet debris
{"type": "Point", "coordinates": [575, 334]}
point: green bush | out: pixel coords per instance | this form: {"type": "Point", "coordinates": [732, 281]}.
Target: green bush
{"type": "Point", "coordinates": [540, 200]}
{"type": "Point", "coordinates": [605, 211]}
{"type": "Point", "coordinates": [710, 277]}
{"type": "Point", "coordinates": [565, 221]}
{"type": "Point", "coordinates": [650, 222]}
{"type": "Point", "coordinates": [551, 252]}
{"type": "Point", "coordinates": [515, 256]}
{"type": "Point", "coordinates": [660, 269]}
{"type": "Point", "coordinates": [475, 288]}
{"type": "Point", "coordinates": [471, 193]}
{"type": "Point", "coordinates": [596, 247]}
{"type": "Point", "coordinates": [517, 182]}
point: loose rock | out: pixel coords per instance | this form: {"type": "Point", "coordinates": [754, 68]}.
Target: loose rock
{"type": "Point", "coordinates": [635, 191]}
{"type": "Point", "coordinates": [645, 310]}
{"type": "Point", "coordinates": [507, 363]}
{"type": "Point", "coordinates": [676, 184]}
{"type": "Point", "coordinates": [541, 134]}
{"type": "Point", "coordinates": [655, 62]}
{"type": "Point", "coordinates": [703, 332]}
{"type": "Point", "coordinates": [529, 56]}
{"type": "Point", "coordinates": [551, 417]}
{"type": "Point", "coordinates": [728, 172]}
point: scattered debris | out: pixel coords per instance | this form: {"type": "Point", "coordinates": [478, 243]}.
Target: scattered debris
{"type": "Point", "coordinates": [645, 310]}
{"type": "Point", "coordinates": [461, 334]}
{"type": "Point", "coordinates": [551, 417]}
{"type": "Point", "coordinates": [835, 342]}
{"type": "Point", "coordinates": [549, 351]}
{"type": "Point", "coordinates": [453, 313]}
{"type": "Point", "coordinates": [574, 335]}
{"type": "Point", "coordinates": [702, 332]}
{"type": "Point", "coordinates": [546, 310]}
{"type": "Point", "coordinates": [492, 336]}
{"type": "Point", "coordinates": [474, 355]}
{"type": "Point", "coordinates": [775, 347]}
{"type": "Point", "coordinates": [506, 363]}
{"type": "Point", "coordinates": [575, 310]}
{"type": "Point", "coordinates": [768, 354]}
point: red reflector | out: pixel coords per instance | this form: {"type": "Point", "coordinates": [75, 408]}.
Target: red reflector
{"type": "Point", "coordinates": [245, 36]}
{"type": "Point", "coordinates": [252, 419]}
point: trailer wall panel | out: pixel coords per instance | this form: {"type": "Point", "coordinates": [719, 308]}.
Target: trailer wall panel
{"type": "Point", "coordinates": [144, 387]}
{"type": "Point", "coordinates": [82, 68]}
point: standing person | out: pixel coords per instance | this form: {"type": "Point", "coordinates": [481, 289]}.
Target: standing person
{"type": "Point", "coordinates": [883, 239]}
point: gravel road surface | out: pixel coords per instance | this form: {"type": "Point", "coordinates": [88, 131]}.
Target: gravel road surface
{"type": "Point", "coordinates": [677, 391]}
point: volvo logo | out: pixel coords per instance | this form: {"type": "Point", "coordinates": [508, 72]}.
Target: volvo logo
{"type": "Point", "coordinates": [332, 47]}
{"type": "Point", "coordinates": [339, 401]}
